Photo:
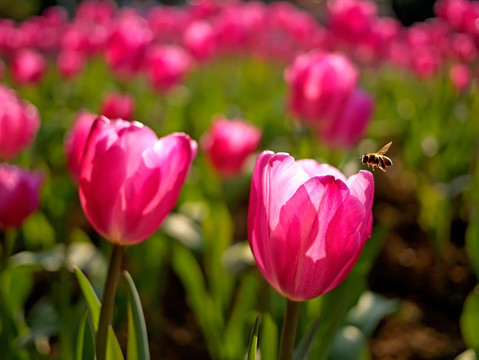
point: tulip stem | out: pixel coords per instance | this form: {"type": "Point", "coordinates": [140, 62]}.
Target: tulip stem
{"type": "Point", "coordinates": [106, 312]}
{"type": "Point", "coordinates": [288, 335]}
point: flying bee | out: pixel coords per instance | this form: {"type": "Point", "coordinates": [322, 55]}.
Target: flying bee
{"type": "Point", "coordinates": [378, 159]}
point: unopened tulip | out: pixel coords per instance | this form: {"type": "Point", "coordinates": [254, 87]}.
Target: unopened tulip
{"type": "Point", "coordinates": [351, 123]}
{"type": "Point", "coordinates": [19, 194]}
{"type": "Point", "coordinates": [19, 122]}
{"type": "Point", "coordinates": [118, 106]}
{"type": "Point", "coordinates": [167, 66]}
{"type": "Point", "coordinates": [126, 47]}
{"type": "Point", "coordinates": [76, 140]}
{"type": "Point", "coordinates": [130, 180]}
{"type": "Point", "coordinates": [307, 223]}
{"type": "Point", "coordinates": [200, 39]}
{"type": "Point", "coordinates": [28, 66]}
{"type": "Point", "coordinates": [320, 84]}
{"type": "Point", "coordinates": [70, 63]}
{"type": "Point", "coordinates": [461, 76]}
{"type": "Point", "coordinates": [228, 145]}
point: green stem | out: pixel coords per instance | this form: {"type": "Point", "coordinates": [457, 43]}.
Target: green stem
{"type": "Point", "coordinates": [288, 335]}
{"type": "Point", "coordinates": [107, 301]}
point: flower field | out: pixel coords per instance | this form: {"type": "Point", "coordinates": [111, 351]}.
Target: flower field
{"type": "Point", "coordinates": [205, 181]}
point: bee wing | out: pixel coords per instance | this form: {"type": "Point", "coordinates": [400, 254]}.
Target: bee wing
{"type": "Point", "coordinates": [384, 149]}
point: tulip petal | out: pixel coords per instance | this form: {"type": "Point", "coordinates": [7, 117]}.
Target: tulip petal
{"type": "Point", "coordinates": [156, 185]}
{"type": "Point", "coordinates": [312, 168]}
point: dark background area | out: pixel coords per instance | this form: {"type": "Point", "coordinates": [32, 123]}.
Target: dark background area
{"type": "Point", "coordinates": [407, 11]}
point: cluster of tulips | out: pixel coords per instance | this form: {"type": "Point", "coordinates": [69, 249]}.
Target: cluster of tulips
{"type": "Point", "coordinates": [307, 222]}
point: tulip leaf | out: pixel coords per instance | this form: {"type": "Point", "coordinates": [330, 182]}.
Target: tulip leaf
{"type": "Point", "coordinates": [84, 344]}
{"type": "Point", "coordinates": [304, 347]}
{"type": "Point", "coordinates": [137, 334]}
{"type": "Point", "coordinates": [190, 274]}
{"type": "Point", "coordinates": [253, 341]}
{"type": "Point", "coordinates": [93, 304]}
{"type": "Point", "coordinates": [470, 319]}
{"type": "Point", "coordinates": [234, 340]}
{"type": "Point", "coordinates": [269, 338]}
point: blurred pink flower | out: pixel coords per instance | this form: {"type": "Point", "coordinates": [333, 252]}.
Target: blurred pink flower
{"type": "Point", "coordinates": [350, 125]}
{"type": "Point", "coordinates": [320, 84]}
{"type": "Point", "coordinates": [460, 76]}
{"type": "Point", "coordinates": [96, 11]}
{"type": "Point", "coordinates": [130, 180]}
{"type": "Point", "coordinates": [199, 39]}
{"type": "Point", "coordinates": [19, 194]}
{"type": "Point", "coordinates": [307, 223]}
{"type": "Point", "coordinates": [229, 143]}
{"type": "Point", "coordinates": [28, 66]}
{"type": "Point", "coordinates": [19, 122]}
{"type": "Point", "coordinates": [127, 44]}
{"type": "Point", "coordinates": [75, 142]}
{"type": "Point", "coordinates": [167, 66]}
{"type": "Point", "coordinates": [425, 61]}
{"type": "Point", "coordinates": [351, 20]}
{"type": "Point", "coordinates": [118, 106]}
{"type": "Point", "coordinates": [70, 63]}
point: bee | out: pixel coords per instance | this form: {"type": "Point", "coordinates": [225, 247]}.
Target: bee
{"type": "Point", "coordinates": [378, 159]}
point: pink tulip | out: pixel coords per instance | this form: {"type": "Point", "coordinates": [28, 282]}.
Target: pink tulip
{"type": "Point", "coordinates": [19, 194]}
{"type": "Point", "coordinates": [350, 125]}
{"type": "Point", "coordinates": [70, 63]}
{"type": "Point", "coordinates": [461, 76]}
{"type": "Point", "coordinates": [130, 180]}
{"type": "Point", "coordinates": [75, 142]}
{"type": "Point", "coordinates": [118, 106]}
{"type": "Point", "coordinates": [307, 223]}
{"type": "Point", "coordinates": [167, 66]}
{"type": "Point", "coordinates": [19, 122]}
{"type": "Point", "coordinates": [320, 84]}
{"type": "Point", "coordinates": [200, 39]}
{"type": "Point", "coordinates": [229, 144]}
{"type": "Point", "coordinates": [351, 20]}
{"type": "Point", "coordinates": [126, 47]}
{"type": "Point", "coordinates": [28, 66]}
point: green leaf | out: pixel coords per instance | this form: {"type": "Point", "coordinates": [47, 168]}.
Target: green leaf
{"type": "Point", "coordinates": [234, 340]}
{"type": "Point", "coordinates": [206, 311]}
{"type": "Point", "coordinates": [253, 340]}
{"type": "Point", "coordinates": [137, 334]}
{"type": "Point", "coordinates": [303, 348]}
{"type": "Point", "coordinates": [84, 346]}
{"type": "Point", "coordinates": [269, 338]}
{"type": "Point", "coordinates": [470, 319]}
{"type": "Point", "coordinates": [93, 304]}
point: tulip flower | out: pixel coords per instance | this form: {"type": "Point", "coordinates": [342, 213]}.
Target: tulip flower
{"type": "Point", "coordinates": [28, 66]}
{"type": "Point", "coordinates": [228, 145]}
{"type": "Point", "coordinates": [351, 123]}
{"type": "Point", "coordinates": [167, 65]}
{"type": "Point", "coordinates": [307, 223]}
{"type": "Point", "coordinates": [118, 106]}
{"type": "Point", "coordinates": [19, 194]}
{"type": "Point", "coordinates": [19, 122]}
{"type": "Point", "coordinates": [70, 63]}
{"type": "Point", "coordinates": [200, 39]}
{"type": "Point", "coordinates": [126, 47]}
{"type": "Point", "coordinates": [75, 142]}
{"type": "Point", "coordinates": [130, 180]}
{"type": "Point", "coordinates": [461, 76]}
{"type": "Point", "coordinates": [320, 84]}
